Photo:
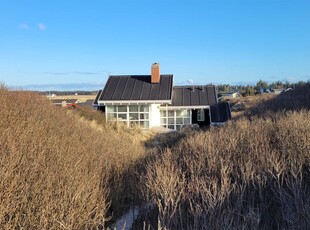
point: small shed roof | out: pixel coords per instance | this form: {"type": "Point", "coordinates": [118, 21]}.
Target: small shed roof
{"type": "Point", "coordinates": [194, 95]}
{"type": "Point", "coordinates": [95, 102]}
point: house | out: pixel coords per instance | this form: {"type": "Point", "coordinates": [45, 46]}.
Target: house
{"type": "Point", "coordinates": [152, 101]}
{"type": "Point", "coordinates": [231, 95]}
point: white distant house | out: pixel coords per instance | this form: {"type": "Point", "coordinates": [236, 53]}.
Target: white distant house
{"type": "Point", "coordinates": [152, 101]}
{"type": "Point", "coordinates": [231, 95]}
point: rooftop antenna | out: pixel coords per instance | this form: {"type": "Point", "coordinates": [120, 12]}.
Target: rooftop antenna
{"type": "Point", "coordinates": [192, 84]}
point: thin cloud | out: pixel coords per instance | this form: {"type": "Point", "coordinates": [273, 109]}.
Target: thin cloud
{"type": "Point", "coordinates": [41, 26]}
{"type": "Point", "coordinates": [24, 26]}
{"type": "Point", "coordinates": [190, 81]}
{"type": "Point", "coordinates": [75, 72]}
{"type": "Point", "coordinates": [58, 73]}
{"type": "Point", "coordinates": [82, 86]}
{"type": "Point", "coordinates": [86, 73]}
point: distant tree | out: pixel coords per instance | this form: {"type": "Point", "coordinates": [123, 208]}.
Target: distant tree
{"type": "Point", "coordinates": [261, 85]}
{"type": "Point", "coordinates": [276, 85]}
{"type": "Point", "coordinates": [248, 91]}
{"type": "Point", "coordinates": [300, 83]}
{"type": "Point", "coordinates": [287, 84]}
{"type": "Point", "coordinates": [224, 88]}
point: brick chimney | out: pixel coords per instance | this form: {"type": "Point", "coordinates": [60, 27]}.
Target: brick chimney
{"type": "Point", "coordinates": [155, 78]}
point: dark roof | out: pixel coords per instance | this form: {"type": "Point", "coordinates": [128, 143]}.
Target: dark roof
{"type": "Point", "coordinates": [137, 87]}
{"type": "Point", "coordinates": [57, 101]}
{"type": "Point", "coordinates": [95, 102]}
{"type": "Point", "coordinates": [87, 103]}
{"type": "Point", "coordinates": [70, 101]}
{"type": "Point", "coordinates": [194, 95]}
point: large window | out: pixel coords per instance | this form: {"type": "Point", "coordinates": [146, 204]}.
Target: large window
{"type": "Point", "coordinates": [132, 115]}
{"type": "Point", "coordinates": [174, 119]}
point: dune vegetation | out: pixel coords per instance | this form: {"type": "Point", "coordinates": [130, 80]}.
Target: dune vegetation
{"type": "Point", "coordinates": [59, 171]}
{"type": "Point", "coordinates": [252, 173]}
{"type": "Point", "coordinates": [69, 169]}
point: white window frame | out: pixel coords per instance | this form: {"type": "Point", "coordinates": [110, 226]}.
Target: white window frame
{"type": "Point", "coordinates": [175, 117]}
{"type": "Point", "coordinates": [127, 120]}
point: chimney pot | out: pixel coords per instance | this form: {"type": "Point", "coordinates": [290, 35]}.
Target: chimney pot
{"type": "Point", "coordinates": [155, 77]}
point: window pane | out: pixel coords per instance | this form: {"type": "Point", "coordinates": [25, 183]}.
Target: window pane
{"type": "Point", "coordinates": [178, 127]}
{"type": "Point", "coordinates": [111, 108]}
{"type": "Point", "coordinates": [182, 113]}
{"type": "Point", "coordinates": [187, 120]}
{"type": "Point", "coordinates": [111, 116]}
{"type": "Point", "coordinates": [122, 116]}
{"type": "Point", "coordinates": [163, 120]}
{"type": "Point", "coordinates": [170, 126]}
{"type": "Point", "coordinates": [179, 113]}
{"type": "Point", "coordinates": [187, 113]}
{"type": "Point", "coordinates": [200, 115]}
{"type": "Point", "coordinates": [144, 124]}
{"type": "Point", "coordinates": [163, 113]}
{"type": "Point", "coordinates": [170, 120]}
{"type": "Point", "coordinates": [133, 123]}
{"type": "Point", "coordinates": [179, 120]}
{"type": "Point", "coordinates": [122, 108]}
{"type": "Point", "coordinates": [133, 108]}
{"type": "Point", "coordinates": [144, 108]}
{"type": "Point", "coordinates": [171, 113]}
{"type": "Point", "coordinates": [144, 116]}
{"type": "Point", "coordinates": [133, 116]}
{"type": "Point", "coordinates": [165, 126]}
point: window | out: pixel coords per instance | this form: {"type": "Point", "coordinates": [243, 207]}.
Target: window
{"type": "Point", "coordinates": [200, 115]}
{"type": "Point", "coordinates": [132, 115]}
{"type": "Point", "coordinates": [174, 119]}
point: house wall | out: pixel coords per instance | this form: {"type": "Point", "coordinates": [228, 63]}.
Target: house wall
{"type": "Point", "coordinates": [154, 115]}
{"type": "Point", "coordinates": [220, 113]}
{"type": "Point", "coordinates": [207, 119]}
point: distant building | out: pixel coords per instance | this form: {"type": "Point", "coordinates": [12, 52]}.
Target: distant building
{"type": "Point", "coordinates": [63, 103]}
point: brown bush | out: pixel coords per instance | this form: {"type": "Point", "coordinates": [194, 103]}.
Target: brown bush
{"type": "Point", "coordinates": [251, 173]}
{"type": "Point", "coordinates": [58, 171]}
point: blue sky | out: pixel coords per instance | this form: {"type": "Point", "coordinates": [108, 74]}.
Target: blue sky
{"type": "Point", "coordinates": [54, 44]}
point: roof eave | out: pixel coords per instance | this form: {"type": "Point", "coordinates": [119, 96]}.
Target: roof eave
{"type": "Point", "coordinates": [105, 102]}
{"type": "Point", "coordinates": [186, 107]}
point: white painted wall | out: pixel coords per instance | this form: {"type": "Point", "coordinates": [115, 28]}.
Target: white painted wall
{"type": "Point", "coordinates": [154, 115]}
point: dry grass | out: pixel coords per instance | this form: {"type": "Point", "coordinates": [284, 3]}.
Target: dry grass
{"type": "Point", "coordinates": [63, 169]}
{"type": "Point", "coordinates": [59, 172]}
{"type": "Point", "coordinates": [250, 174]}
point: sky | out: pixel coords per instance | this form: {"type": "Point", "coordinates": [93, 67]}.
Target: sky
{"type": "Point", "coordinates": [56, 45]}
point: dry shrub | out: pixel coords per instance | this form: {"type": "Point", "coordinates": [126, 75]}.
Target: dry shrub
{"type": "Point", "coordinates": [248, 174]}
{"type": "Point", "coordinates": [57, 171]}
